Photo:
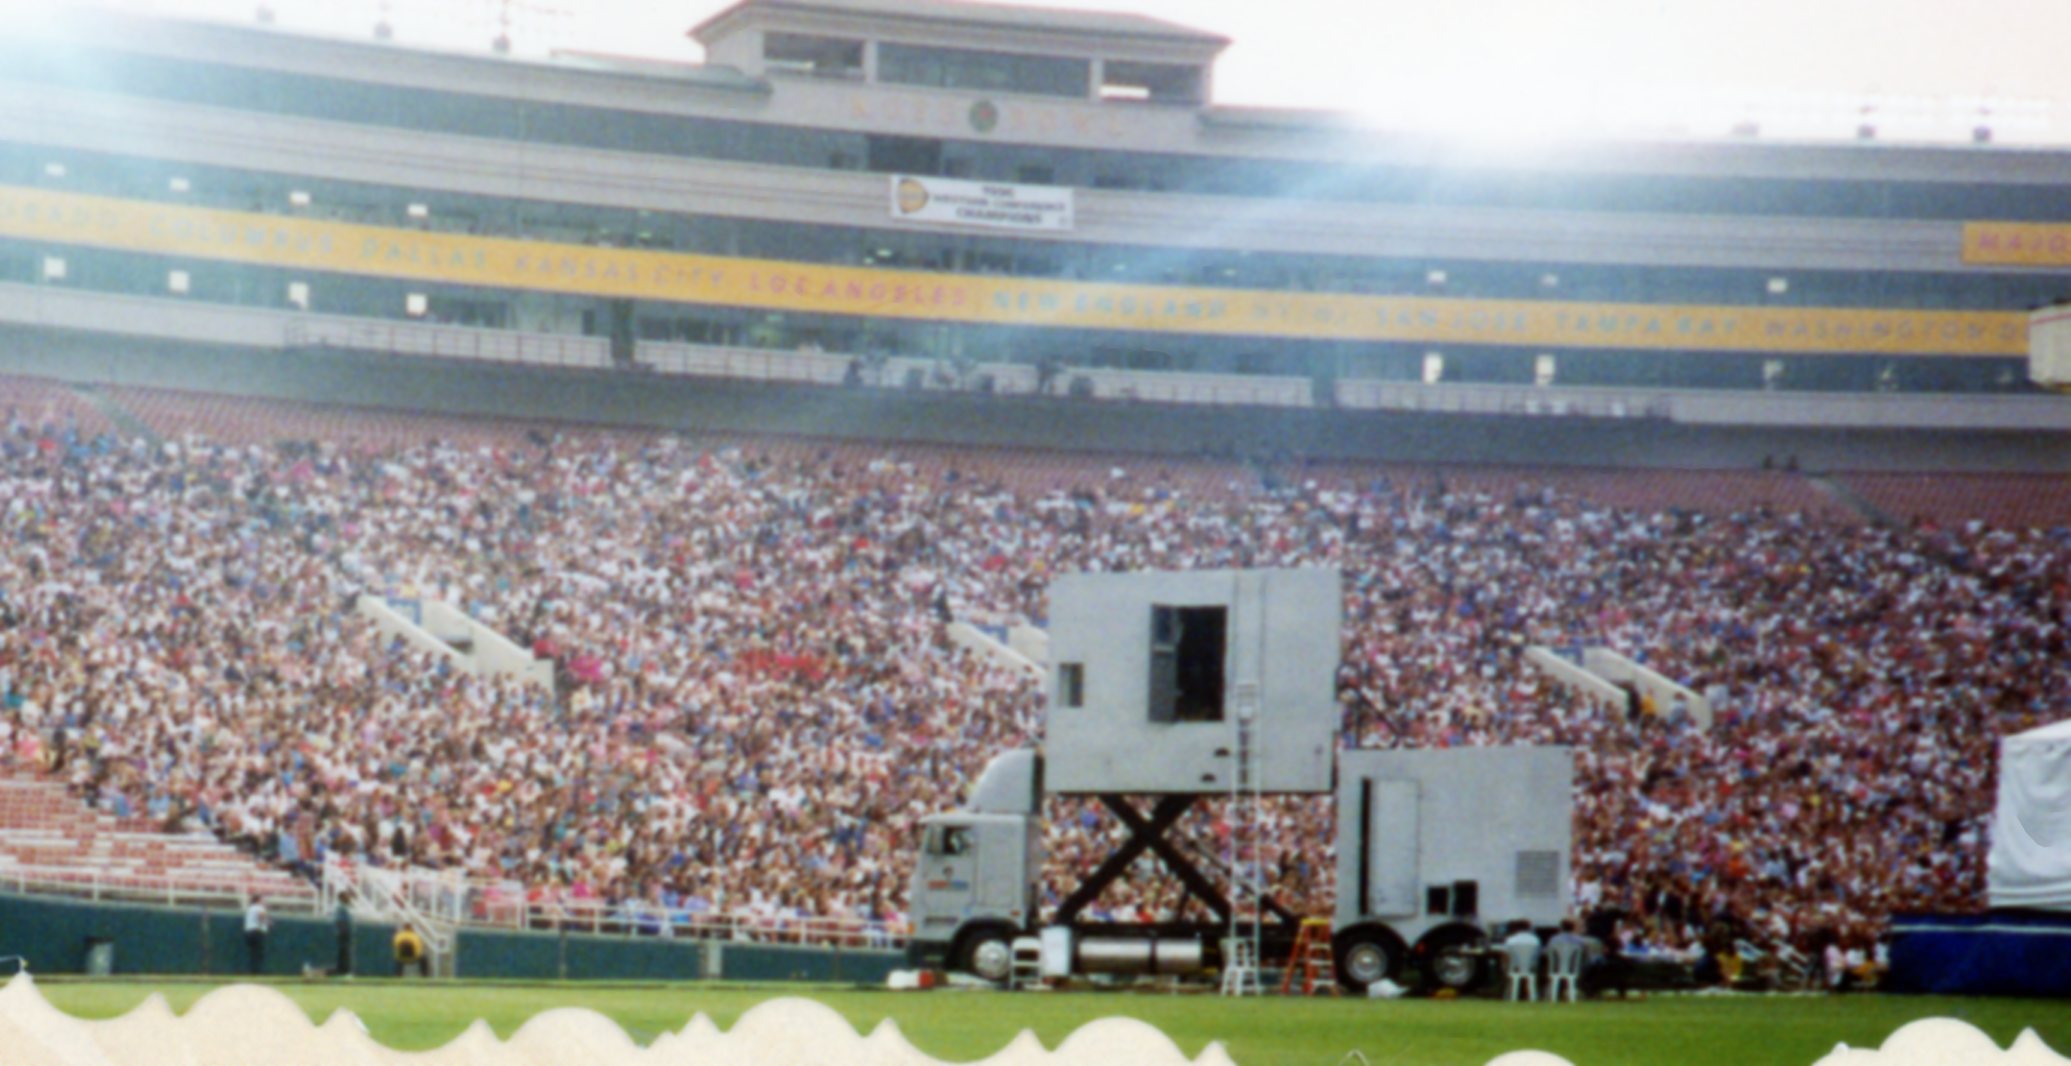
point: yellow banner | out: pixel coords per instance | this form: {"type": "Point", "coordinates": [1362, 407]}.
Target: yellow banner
{"type": "Point", "coordinates": [2038, 244]}
{"type": "Point", "coordinates": [490, 262]}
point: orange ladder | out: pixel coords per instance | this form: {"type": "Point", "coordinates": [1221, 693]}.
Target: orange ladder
{"type": "Point", "coordinates": [1311, 959]}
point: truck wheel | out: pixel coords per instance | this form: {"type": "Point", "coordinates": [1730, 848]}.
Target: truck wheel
{"type": "Point", "coordinates": [987, 952]}
{"type": "Point", "coordinates": [1367, 954]}
{"type": "Point", "coordinates": [1450, 962]}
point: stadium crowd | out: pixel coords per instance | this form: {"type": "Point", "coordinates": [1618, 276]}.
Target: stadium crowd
{"type": "Point", "coordinates": [756, 698]}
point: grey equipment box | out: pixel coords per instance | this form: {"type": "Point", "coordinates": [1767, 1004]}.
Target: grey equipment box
{"type": "Point", "coordinates": [1420, 831]}
{"type": "Point", "coordinates": [1151, 672]}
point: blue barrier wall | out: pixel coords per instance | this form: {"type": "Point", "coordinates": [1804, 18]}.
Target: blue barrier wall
{"type": "Point", "coordinates": [54, 933]}
{"type": "Point", "coordinates": [1999, 954]}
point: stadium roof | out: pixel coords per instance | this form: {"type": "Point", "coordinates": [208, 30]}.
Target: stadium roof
{"type": "Point", "coordinates": [968, 14]}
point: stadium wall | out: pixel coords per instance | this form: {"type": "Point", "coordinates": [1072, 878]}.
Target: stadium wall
{"type": "Point", "coordinates": [55, 936]}
{"type": "Point", "coordinates": [447, 388]}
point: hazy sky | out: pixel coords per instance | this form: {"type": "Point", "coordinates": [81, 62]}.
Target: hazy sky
{"type": "Point", "coordinates": [1477, 64]}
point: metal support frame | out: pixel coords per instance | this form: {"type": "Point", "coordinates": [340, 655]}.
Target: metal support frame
{"type": "Point", "coordinates": [1148, 834]}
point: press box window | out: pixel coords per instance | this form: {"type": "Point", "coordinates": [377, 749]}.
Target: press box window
{"type": "Point", "coordinates": [819, 57]}
{"type": "Point", "coordinates": [1188, 646]}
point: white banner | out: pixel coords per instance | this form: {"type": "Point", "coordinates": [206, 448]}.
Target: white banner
{"type": "Point", "coordinates": [991, 205]}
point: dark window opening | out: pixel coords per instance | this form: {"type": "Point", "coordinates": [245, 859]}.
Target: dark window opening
{"type": "Point", "coordinates": [1466, 899]}
{"type": "Point", "coordinates": [1071, 684]}
{"type": "Point", "coordinates": [905, 155]}
{"type": "Point", "coordinates": [1157, 83]}
{"type": "Point", "coordinates": [819, 57]}
{"type": "Point", "coordinates": [957, 68]}
{"type": "Point", "coordinates": [1188, 646]}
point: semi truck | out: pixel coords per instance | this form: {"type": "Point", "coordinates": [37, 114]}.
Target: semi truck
{"type": "Point", "coordinates": [1170, 689]}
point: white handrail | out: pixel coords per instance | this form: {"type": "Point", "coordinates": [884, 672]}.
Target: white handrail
{"type": "Point", "coordinates": [429, 902]}
{"type": "Point", "coordinates": [833, 368]}
{"type": "Point", "coordinates": [442, 341]}
{"type": "Point", "coordinates": [645, 919]}
{"type": "Point", "coordinates": [441, 902]}
{"type": "Point", "coordinates": [281, 894]}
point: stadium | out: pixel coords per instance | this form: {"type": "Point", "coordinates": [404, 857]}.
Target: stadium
{"type": "Point", "coordinates": [602, 515]}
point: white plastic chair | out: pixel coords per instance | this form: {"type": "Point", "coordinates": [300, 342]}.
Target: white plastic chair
{"type": "Point", "coordinates": [1522, 959]}
{"type": "Point", "coordinates": [1564, 957]}
{"type": "Point", "coordinates": [1239, 967]}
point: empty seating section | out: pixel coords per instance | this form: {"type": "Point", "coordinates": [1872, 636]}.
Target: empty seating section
{"type": "Point", "coordinates": [2007, 501]}
{"type": "Point", "coordinates": [50, 841]}
{"type": "Point", "coordinates": [245, 421]}
{"type": "Point", "coordinates": [1640, 489]}
{"type": "Point", "coordinates": [48, 406]}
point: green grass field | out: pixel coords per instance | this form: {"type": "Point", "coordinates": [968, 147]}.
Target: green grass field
{"type": "Point", "coordinates": [963, 1026]}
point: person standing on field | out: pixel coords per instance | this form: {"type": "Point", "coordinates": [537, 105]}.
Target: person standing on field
{"type": "Point", "coordinates": [257, 923]}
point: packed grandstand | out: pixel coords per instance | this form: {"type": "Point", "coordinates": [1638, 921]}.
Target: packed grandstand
{"type": "Point", "coordinates": [680, 378]}
{"type": "Point", "coordinates": [755, 696]}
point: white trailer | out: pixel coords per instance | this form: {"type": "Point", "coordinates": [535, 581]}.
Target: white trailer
{"type": "Point", "coordinates": [1174, 686]}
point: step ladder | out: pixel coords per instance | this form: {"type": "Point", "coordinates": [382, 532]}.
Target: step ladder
{"type": "Point", "coordinates": [1311, 960]}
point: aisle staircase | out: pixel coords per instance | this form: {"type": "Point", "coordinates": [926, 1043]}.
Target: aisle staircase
{"type": "Point", "coordinates": [118, 416]}
{"type": "Point", "coordinates": [1839, 492]}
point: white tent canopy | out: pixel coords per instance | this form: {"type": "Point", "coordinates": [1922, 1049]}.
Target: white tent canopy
{"type": "Point", "coordinates": [2030, 862]}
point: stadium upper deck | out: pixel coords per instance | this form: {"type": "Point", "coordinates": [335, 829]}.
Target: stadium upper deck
{"type": "Point", "coordinates": [810, 189]}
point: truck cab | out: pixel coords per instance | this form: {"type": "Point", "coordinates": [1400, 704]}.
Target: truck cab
{"type": "Point", "coordinates": [974, 890]}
